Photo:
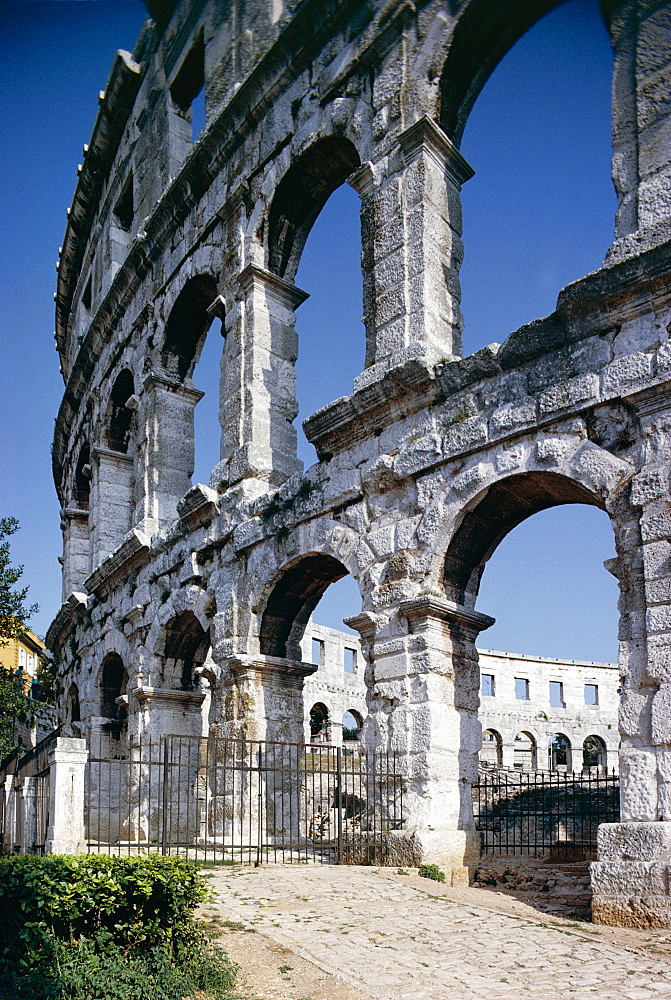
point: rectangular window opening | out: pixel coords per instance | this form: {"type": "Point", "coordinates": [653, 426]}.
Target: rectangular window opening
{"type": "Point", "coordinates": [350, 660]}
{"type": "Point", "coordinates": [557, 694]}
{"type": "Point", "coordinates": [318, 652]}
{"type": "Point", "coordinates": [522, 689]}
{"type": "Point", "coordinates": [487, 688]}
{"type": "Point", "coordinates": [87, 295]}
{"type": "Point", "coordinates": [187, 89]}
{"type": "Point", "coordinates": [591, 694]}
{"type": "Point", "coordinates": [124, 209]}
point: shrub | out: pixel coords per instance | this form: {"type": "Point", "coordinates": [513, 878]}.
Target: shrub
{"type": "Point", "coordinates": [432, 871]}
{"type": "Point", "coordinates": [104, 928]}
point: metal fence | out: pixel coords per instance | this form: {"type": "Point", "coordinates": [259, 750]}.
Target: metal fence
{"type": "Point", "coordinates": [237, 801]}
{"type": "Point", "coordinates": [539, 813]}
{"type": "Point", "coordinates": [26, 808]}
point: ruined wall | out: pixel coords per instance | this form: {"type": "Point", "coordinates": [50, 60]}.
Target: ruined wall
{"type": "Point", "coordinates": [204, 591]}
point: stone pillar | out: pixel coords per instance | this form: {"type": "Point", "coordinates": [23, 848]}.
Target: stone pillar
{"type": "Point", "coordinates": [641, 116]}
{"type": "Point", "coordinates": [111, 501]}
{"type": "Point", "coordinates": [507, 754]}
{"type": "Point", "coordinates": [412, 249]}
{"type": "Point", "coordinates": [28, 815]}
{"type": "Point", "coordinates": [258, 401]}
{"type": "Point", "coordinates": [67, 762]}
{"type": "Point", "coordinates": [423, 702]}
{"type": "Point", "coordinates": [9, 815]}
{"type": "Point", "coordinates": [76, 549]}
{"type": "Point", "coordinates": [630, 880]}
{"type": "Point", "coordinates": [168, 448]}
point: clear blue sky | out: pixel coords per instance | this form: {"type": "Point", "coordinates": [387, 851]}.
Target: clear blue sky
{"type": "Point", "coordinates": [538, 214]}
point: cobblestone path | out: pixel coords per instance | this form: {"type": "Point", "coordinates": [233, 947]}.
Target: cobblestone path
{"type": "Point", "coordinates": [393, 939]}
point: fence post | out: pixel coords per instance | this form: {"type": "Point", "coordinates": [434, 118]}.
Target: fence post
{"type": "Point", "coordinates": [339, 800]}
{"type": "Point", "coordinates": [67, 764]}
{"type": "Point", "coordinates": [27, 804]}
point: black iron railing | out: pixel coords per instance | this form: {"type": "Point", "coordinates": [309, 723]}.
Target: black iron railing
{"type": "Point", "coordinates": [538, 812]}
{"type": "Point", "coordinates": [245, 801]}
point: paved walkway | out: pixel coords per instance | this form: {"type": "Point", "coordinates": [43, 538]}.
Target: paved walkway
{"type": "Point", "coordinates": [399, 937]}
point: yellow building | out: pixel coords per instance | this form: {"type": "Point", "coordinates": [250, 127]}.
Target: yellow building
{"type": "Point", "coordinates": [22, 655]}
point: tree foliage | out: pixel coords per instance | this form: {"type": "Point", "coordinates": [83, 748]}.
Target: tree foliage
{"type": "Point", "coordinates": [14, 614]}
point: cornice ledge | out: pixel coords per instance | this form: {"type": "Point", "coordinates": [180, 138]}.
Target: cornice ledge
{"type": "Point", "coordinates": [421, 610]}
{"type": "Point", "coordinates": [199, 506]}
{"type": "Point", "coordinates": [131, 554]}
{"type": "Point", "coordinates": [64, 619]}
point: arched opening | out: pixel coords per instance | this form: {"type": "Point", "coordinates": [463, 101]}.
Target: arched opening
{"type": "Point", "coordinates": [527, 87]}
{"type": "Point", "coordinates": [120, 413]}
{"type": "Point", "coordinates": [560, 756]}
{"type": "Point", "coordinates": [73, 711]}
{"type": "Point", "coordinates": [352, 721]}
{"type": "Point", "coordinates": [594, 755]}
{"type": "Point", "coordinates": [292, 601]}
{"type": "Point", "coordinates": [525, 752]}
{"type": "Point", "coordinates": [113, 682]}
{"type": "Point", "coordinates": [315, 221]}
{"type": "Point", "coordinates": [187, 327]}
{"type": "Point", "coordinates": [300, 197]}
{"type": "Point", "coordinates": [320, 724]}
{"type": "Point", "coordinates": [491, 753]}
{"type": "Point", "coordinates": [186, 648]}
{"type": "Point", "coordinates": [82, 483]}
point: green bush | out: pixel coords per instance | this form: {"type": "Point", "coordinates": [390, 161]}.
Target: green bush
{"type": "Point", "coordinates": [432, 871]}
{"type": "Point", "coordinates": [104, 928]}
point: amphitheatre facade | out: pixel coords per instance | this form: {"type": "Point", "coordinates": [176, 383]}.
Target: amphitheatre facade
{"type": "Point", "coordinates": [171, 588]}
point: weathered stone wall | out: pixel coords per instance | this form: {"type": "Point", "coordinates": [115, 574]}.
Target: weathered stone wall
{"type": "Point", "coordinates": [205, 591]}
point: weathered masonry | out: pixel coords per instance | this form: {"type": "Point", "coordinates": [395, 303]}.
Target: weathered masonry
{"type": "Point", "coordinates": [182, 599]}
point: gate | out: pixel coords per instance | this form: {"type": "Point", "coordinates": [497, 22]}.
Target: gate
{"type": "Point", "coordinates": [537, 812]}
{"type": "Point", "coordinates": [244, 801]}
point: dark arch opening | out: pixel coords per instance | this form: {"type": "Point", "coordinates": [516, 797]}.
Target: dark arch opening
{"type": "Point", "coordinates": [560, 752]}
{"type": "Point", "coordinates": [120, 415]}
{"type": "Point", "coordinates": [492, 748]}
{"type": "Point", "coordinates": [187, 326]}
{"type": "Point", "coordinates": [319, 721]}
{"type": "Point", "coordinates": [300, 197]}
{"type": "Point", "coordinates": [82, 489]}
{"type": "Point", "coordinates": [292, 601]}
{"type": "Point", "coordinates": [525, 752]}
{"type": "Point", "coordinates": [594, 753]}
{"type": "Point", "coordinates": [505, 505]}
{"type": "Point", "coordinates": [352, 721]}
{"type": "Point", "coordinates": [186, 647]}
{"type": "Point", "coordinates": [485, 31]}
{"type": "Point", "coordinates": [113, 684]}
{"type": "Point", "coordinates": [73, 710]}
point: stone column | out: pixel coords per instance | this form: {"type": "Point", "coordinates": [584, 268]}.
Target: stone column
{"type": "Point", "coordinates": [67, 761]}
{"type": "Point", "coordinates": [423, 701]}
{"type": "Point", "coordinates": [9, 814]}
{"type": "Point", "coordinates": [28, 815]}
{"type": "Point", "coordinates": [111, 501]}
{"type": "Point", "coordinates": [412, 249]}
{"type": "Point", "coordinates": [168, 448]}
{"type": "Point", "coordinates": [258, 402]}
{"type": "Point", "coordinates": [76, 549]}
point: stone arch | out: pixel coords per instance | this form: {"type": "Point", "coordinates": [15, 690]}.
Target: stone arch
{"type": "Point", "coordinates": [594, 753]}
{"type": "Point", "coordinates": [187, 326]}
{"type": "Point", "coordinates": [560, 752]}
{"type": "Point", "coordinates": [292, 600]}
{"type": "Point", "coordinates": [119, 413]}
{"type": "Point", "coordinates": [320, 723]}
{"type": "Point", "coordinates": [485, 31]}
{"type": "Point", "coordinates": [525, 753]}
{"type": "Point", "coordinates": [300, 197]}
{"type": "Point", "coordinates": [185, 647]}
{"type": "Point", "coordinates": [500, 508]}
{"type": "Point", "coordinates": [113, 683]}
{"type": "Point", "coordinates": [492, 747]}
{"type": "Point", "coordinates": [82, 478]}
{"type": "Point", "coordinates": [358, 723]}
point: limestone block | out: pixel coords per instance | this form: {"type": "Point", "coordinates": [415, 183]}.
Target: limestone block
{"type": "Point", "coordinates": [658, 619]}
{"type": "Point", "coordinates": [342, 487]}
{"type": "Point", "coordinates": [638, 770]}
{"type": "Point", "coordinates": [625, 878]}
{"type": "Point", "coordinates": [649, 485]}
{"type": "Point", "coordinates": [621, 374]}
{"type": "Point", "coordinates": [470, 480]}
{"type": "Point", "coordinates": [419, 454]}
{"type": "Point", "coordinates": [510, 457]}
{"type": "Point", "coordinates": [656, 524]}
{"type": "Point", "coordinates": [470, 433]}
{"type": "Point", "coordinates": [511, 417]}
{"type": "Point", "coordinates": [641, 842]}
{"type": "Point", "coordinates": [600, 470]}
{"type": "Point", "coordinates": [552, 451]}
{"type": "Point", "coordinates": [658, 591]}
{"type": "Point", "coordinates": [582, 389]}
{"type": "Point", "coordinates": [634, 335]}
{"type": "Point", "coordinates": [657, 559]}
{"type": "Point", "coordinates": [663, 358]}
{"type": "Point", "coordinates": [248, 533]}
{"type": "Point", "coordinates": [661, 715]}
